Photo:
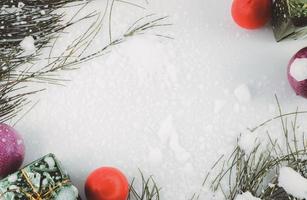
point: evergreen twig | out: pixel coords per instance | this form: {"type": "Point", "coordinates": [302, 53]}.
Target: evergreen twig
{"type": "Point", "coordinates": [257, 172]}
{"type": "Point", "coordinates": [149, 189]}
{"type": "Point", "coordinates": [36, 18]}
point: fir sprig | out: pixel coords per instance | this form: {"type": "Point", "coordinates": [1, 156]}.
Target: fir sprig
{"type": "Point", "coordinates": [258, 171]}
{"type": "Point", "coordinates": [149, 189]}
{"type": "Point", "coordinates": [39, 20]}
{"type": "Point", "coordinates": [36, 18]}
{"type": "Point", "coordinates": [20, 19]}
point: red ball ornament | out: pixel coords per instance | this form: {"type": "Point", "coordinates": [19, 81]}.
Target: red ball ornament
{"type": "Point", "coordinates": [251, 14]}
{"type": "Point", "coordinates": [106, 183]}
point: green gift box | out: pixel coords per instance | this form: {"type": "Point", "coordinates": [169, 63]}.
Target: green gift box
{"type": "Point", "coordinates": [43, 179]}
{"type": "Point", "coordinates": [289, 19]}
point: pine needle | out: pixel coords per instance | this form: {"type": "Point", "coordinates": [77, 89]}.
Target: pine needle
{"type": "Point", "coordinates": [37, 18]}
{"type": "Point", "coordinates": [257, 172]}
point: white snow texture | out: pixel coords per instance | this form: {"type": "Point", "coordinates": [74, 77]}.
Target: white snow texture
{"type": "Point", "coordinates": [28, 46]}
{"type": "Point", "coordinates": [293, 182]}
{"type": "Point", "coordinates": [170, 107]}
{"type": "Point", "coordinates": [248, 142]}
{"type": "Point", "coordinates": [246, 196]}
{"type": "Point", "coordinates": [298, 69]}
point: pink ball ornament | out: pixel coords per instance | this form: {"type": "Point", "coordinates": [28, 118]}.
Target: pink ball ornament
{"type": "Point", "coordinates": [12, 150]}
{"type": "Point", "coordinates": [297, 72]}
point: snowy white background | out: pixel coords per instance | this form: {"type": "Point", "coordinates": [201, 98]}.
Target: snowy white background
{"type": "Point", "coordinates": [168, 107]}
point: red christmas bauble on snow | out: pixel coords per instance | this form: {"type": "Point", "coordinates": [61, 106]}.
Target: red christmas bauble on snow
{"type": "Point", "coordinates": [106, 183]}
{"type": "Point", "coordinates": [251, 14]}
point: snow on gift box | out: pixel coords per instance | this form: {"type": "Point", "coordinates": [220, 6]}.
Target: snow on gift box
{"type": "Point", "coordinates": [289, 19]}
{"type": "Point", "coordinates": [42, 179]}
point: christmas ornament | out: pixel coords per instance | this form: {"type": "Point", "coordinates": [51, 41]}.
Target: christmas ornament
{"type": "Point", "coordinates": [251, 14]}
{"type": "Point", "coordinates": [289, 19]}
{"type": "Point", "coordinates": [297, 72]}
{"type": "Point", "coordinates": [12, 150]}
{"type": "Point", "coordinates": [28, 27]}
{"type": "Point", "coordinates": [106, 183]}
{"type": "Point", "coordinates": [44, 178]}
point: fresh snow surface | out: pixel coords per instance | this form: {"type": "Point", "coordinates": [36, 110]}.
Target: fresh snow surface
{"type": "Point", "coordinates": [293, 182]}
{"type": "Point", "coordinates": [165, 106]}
{"type": "Point", "coordinates": [298, 69]}
{"type": "Point", "coordinates": [28, 46]}
{"type": "Point", "coordinates": [246, 196]}
{"type": "Point", "coordinates": [242, 93]}
{"type": "Point", "coordinates": [248, 142]}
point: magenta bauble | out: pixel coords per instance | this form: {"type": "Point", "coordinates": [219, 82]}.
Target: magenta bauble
{"type": "Point", "coordinates": [12, 150]}
{"type": "Point", "coordinates": [297, 72]}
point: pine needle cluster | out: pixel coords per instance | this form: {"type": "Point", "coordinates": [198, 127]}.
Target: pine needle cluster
{"type": "Point", "coordinates": [38, 19]}
{"type": "Point", "coordinates": [258, 171]}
